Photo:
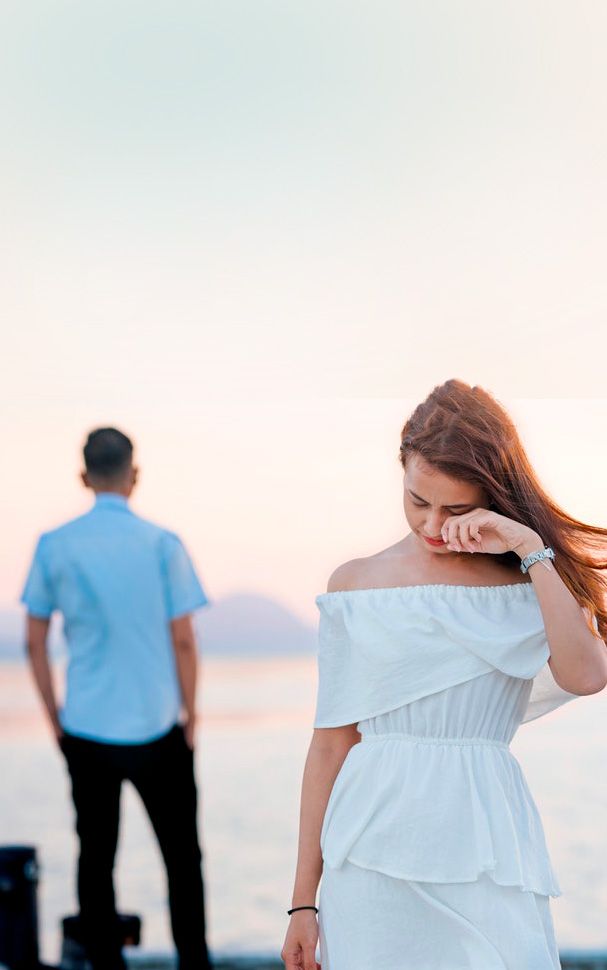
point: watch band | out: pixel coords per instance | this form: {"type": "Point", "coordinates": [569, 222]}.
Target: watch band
{"type": "Point", "coordinates": [546, 553]}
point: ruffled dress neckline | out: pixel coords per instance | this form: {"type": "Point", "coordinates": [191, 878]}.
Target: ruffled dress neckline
{"type": "Point", "coordinates": [425, 586]}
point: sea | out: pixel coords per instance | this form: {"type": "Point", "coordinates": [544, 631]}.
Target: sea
{"type": "Point", "coordinates": [254, 732]}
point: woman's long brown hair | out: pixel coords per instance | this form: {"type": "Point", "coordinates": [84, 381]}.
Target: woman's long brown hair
{"type": "Point", "coordinates": [465, 433]}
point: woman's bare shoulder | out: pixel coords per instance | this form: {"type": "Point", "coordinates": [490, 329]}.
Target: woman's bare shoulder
{"type": "Point", "coordinates": [346, 576]}
{"type": "Point", "coordinates": [362, 573]}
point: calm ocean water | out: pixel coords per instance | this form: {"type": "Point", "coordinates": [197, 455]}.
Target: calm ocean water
{"type": "Point", "coordinates": [257, 717]}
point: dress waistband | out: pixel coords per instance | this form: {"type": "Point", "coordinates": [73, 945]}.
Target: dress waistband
{"type": "Point", "coordinates": [427, 739]}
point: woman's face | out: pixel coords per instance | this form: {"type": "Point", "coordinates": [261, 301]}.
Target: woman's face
{"type": "Point", "coordinates": [430, 497]}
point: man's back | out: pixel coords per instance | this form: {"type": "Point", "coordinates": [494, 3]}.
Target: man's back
{"type": "Point", "coordinates": [118, 580]}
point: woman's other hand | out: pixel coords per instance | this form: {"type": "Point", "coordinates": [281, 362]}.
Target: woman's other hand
{"type": "Point", "coordinates": [299, 950]}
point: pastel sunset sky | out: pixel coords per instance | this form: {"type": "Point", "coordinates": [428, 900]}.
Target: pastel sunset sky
{"type": "Point", "coordinates": [255, 235]}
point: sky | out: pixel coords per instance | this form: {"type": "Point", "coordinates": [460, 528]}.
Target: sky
{"type": "Point", "coordinates": [256, 235]}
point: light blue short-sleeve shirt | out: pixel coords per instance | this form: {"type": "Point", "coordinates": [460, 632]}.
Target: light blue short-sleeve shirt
{"type": "Point", "coordinates": [118, 580]}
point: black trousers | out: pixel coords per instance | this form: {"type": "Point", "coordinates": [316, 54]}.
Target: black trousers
{"type": "Point", "coordinates": [162, 771]}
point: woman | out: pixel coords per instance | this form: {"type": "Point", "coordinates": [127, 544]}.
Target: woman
{"type": "Point", "coordinates": [413, 808]}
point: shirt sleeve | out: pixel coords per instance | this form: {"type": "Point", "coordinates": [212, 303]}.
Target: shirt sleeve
{"type": "Point", "coordinates": [38, 594]}
{"type": "Point", "coordinates": [183, 589]}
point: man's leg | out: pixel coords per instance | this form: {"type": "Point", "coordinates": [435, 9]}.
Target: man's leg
{"type": "Point", "coordinates": [96, 795]}
{"type": "Point", "coordinates": [163, 774]}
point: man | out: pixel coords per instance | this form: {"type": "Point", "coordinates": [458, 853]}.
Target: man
{"type": "Point", "coordinates": [126, 589]}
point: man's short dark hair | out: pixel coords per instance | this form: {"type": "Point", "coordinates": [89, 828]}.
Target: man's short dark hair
{"type": "Point", "coordinates": [107, 453]}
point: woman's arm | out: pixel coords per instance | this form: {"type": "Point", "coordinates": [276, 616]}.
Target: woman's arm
{"type": "Point", "coordinates": [578, 658]}
{"type": "Point", "coordinates": [326, 754]}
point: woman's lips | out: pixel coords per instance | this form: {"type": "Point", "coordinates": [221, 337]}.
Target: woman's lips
{"type": "Point", "coordinates": [434, 542]}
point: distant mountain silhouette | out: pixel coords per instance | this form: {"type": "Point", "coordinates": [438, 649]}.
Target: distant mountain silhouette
{"type": "Point", "coordinates": [245, 624]}
{"type": "Point", "coordinates": [241, 625]}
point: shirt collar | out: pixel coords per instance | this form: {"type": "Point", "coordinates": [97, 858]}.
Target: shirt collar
{"type": "Point", "coordinates": [111, 500]}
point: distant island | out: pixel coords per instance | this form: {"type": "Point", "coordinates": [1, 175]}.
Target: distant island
{"type": "Point", "coordinates": [240, 625]}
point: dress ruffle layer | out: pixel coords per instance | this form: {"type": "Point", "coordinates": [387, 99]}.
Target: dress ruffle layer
{"type": "Point", "coordinates": [437, 813]}
{"type": "Point", "coordinates": [369, 921]}
{"type": "Point", "coordinates": [381, 648]}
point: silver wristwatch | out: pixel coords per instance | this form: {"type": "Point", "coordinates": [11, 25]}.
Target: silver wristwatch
{"type": "Point", "coordinates": [546, 553]}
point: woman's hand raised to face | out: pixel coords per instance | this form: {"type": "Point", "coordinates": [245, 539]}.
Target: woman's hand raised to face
{"type": "Point", "coordinates": [299, 950]}
{"type": "Point", "coordinates": [483, 530]}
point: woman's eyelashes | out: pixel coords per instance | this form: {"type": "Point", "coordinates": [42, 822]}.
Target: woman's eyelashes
{"type": "Point", "coordinates": [423, 505]}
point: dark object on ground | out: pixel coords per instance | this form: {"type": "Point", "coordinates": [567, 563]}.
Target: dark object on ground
{"type": "Point", "coordinates": [73, 956]}
{"type": "Point", "coordinates": [18, 907]}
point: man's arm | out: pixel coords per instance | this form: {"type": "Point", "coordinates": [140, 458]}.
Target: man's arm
{"type": "Point", "coordinates": [186, 658]}
{"type": "Point", "coordinates": [37, 633]}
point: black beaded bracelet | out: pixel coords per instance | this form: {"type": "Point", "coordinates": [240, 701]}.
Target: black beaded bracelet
{"type": "Point", "coordinates": [297, 908]}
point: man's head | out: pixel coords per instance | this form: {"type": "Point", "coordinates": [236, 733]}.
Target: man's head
{"type": "Point", "coordinates": [108, 459]}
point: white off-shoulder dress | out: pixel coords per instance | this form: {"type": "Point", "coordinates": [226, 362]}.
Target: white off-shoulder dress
{"type": "Point", "coordinates": [434, 855]}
